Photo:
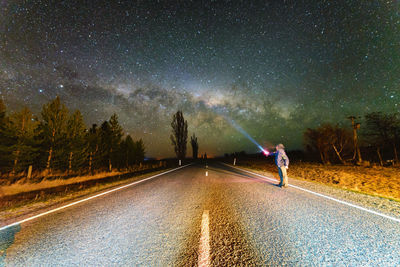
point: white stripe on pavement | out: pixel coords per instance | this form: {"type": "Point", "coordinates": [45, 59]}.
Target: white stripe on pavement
{"type": "Point", "coordinates": [204, 246]}
{"type": "Point", "coordinates": [86, 199]}
{"type": "Point", "coordinates": [321, 195]}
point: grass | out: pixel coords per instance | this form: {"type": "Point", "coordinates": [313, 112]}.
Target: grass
{"type": "Point", "coordinates": [31, 206]}
{"type": "Point", "coordinates": [23, 186]}
{"type": "Point", "coordinates": [376, 181]}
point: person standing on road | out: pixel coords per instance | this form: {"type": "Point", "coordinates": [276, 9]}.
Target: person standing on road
{"type": "Point", "coordinates": [282, 162]}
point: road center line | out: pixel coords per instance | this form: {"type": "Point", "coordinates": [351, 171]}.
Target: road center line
{"type": "Point", "coordinates": [204, 246]}
{"type": "Point", "coordinates": [321, 195]}
{"type": "Point", "coordinates": [86, 199]}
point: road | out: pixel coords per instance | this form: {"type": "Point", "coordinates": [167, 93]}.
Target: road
{"type": "Point", "coordinates": [163, 222]}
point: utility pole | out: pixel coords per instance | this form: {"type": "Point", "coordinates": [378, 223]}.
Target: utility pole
{"type": "Point", "coordinates": [355, 127]}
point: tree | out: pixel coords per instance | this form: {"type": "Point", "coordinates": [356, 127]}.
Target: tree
{"type": "Point", "coordinates": [128, 150]}
{"type": "Point", "coordinates": [93, 140]}
{"type": "Point", "coordinates": [110, 139]}
{"type": "Point", "coordinates": [179, 134]}
{"type": "Point", "coordinates": [195, 146]}
{"type": "Point", "coordinates": [105, 144]}
{"type": "Point", "coordinates": [341, 142]}
{"type": "Point", "coordinates": [316, 142]}
{"type": "Point", "coordinates": [25, 148]}
{"type": "Point", "coordinates": [131, 152]}
{"type": "Point", "coordinates": [7, 139]}
{"type": "Point", "coordinates": [116, 136]}
{"type": "Point", "coordinates": [139, 151]}
{"type": "Point", "coordinates": [383, 130]}
{"type": "Point", "coordinates": [53, 127]}
{"type": "Point", "coordinates": [329, 140]}
{"type": "Point", "coordinates": [355, 126]}
{"type": "Point", "coordinates": [76, 131]}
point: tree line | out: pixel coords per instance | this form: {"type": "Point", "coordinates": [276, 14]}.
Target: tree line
{"type": "Point", "coordinates": [60, 141]}
{"type": "Point", "coordinates": [376, 138]}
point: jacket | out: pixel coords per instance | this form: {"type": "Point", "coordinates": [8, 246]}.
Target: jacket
{"type": "Point", "coordinates": [281, 159]}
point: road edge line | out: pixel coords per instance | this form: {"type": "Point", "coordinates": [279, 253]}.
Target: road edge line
{"type": "Point", "coordinates": [323, 196]}
{"type": "Point", "coordinates": [89, 198]}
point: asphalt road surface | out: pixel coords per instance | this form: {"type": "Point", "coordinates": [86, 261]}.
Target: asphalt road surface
{"type": "Point", "coordinates": [225, 215]}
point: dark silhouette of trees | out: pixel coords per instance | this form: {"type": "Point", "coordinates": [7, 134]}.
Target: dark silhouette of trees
{"type": "Point", "coordinates": [131, 152]}
{"type": "Point", "coordinates": [317, 143]}
{"type": "Point", "coordinates": [383, 130]}
{"type": "Point", "coordinates": [195, 146]}
{"type": "Point", "coordinates": [59, 141]}
{"type": "Point", "coordinates": [328, 140]}
{"type": "Point", "coordinates": [139, 151]}
{"type": "Point", "coordinates": [179, 134]}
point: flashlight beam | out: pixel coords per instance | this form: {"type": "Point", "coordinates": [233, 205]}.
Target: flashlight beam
{"type": "Point", "coordinates": [242, 131]}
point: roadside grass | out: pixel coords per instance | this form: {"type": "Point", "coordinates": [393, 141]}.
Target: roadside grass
{"type": "Point", "coordinates": [25, 186]}
{"type": "Point", "coordinates": [24, 208]}
{"type": "Point", "coordinates": [374, 181]}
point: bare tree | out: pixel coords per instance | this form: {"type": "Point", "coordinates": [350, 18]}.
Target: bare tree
{"type": "Point", "coordinates": [195, 146]}
{"type": "Point", "coordinates": [179, 134]}
{"type": "Point", "coordinates": [329, 140]}
{"type": "Point", "coordinates": [316, 142]}
{"type": "Point", "coordinates": [383, 130]}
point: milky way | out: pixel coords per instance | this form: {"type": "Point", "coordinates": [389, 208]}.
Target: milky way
{"type": "Point", "coordinates": [275, 67]}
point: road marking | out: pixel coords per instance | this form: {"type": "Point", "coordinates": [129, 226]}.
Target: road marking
{"type": "Point", "coordinates": [86, 199]}
{"type": "Point", "coordinates": [324, 196]}
{"type": "Point", "coordinates": [204, 247]}
{"type": "Point", "coordinates": [206, 173]}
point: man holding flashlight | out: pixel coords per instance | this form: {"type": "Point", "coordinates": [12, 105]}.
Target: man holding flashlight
{"type": "Point", "coordinates": [282, 162]}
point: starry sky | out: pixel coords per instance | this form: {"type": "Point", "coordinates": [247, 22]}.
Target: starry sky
{"type": "Point", "coordinates": [274, 67]}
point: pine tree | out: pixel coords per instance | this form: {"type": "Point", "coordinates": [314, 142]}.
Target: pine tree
{"type": "Point", "coordinates": [139, 151]}
{"type": "Point", "coordinates": [93, 141]}
{"type": "Point", "coordinates": [25, 149]}
{"type": "Point", "coordinates": [127, 152]}
{"type": "Point", "coordinates": [53, 128]}
{"type": "Point", "coordinates": [116, 135]}
{"type": "Point", "coordinates": [105, 144]}
{"type": "Point", "coordinates": [7, 140]}
{"type": "Point", "coordinates": [76, 131]}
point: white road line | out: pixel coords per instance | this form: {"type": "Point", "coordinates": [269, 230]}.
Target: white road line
{"type": "Point", "coordinates": [206, 173]}
{"type": "Point", "coordinates": [86, 199]}
{"type": "Point", "coordinates": [204, 247]}
{"type": "Point", "coordinates": [324, 196]}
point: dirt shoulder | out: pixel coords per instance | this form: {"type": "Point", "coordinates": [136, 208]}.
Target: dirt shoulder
{"type": "Point", "coordinates": [28, 203]}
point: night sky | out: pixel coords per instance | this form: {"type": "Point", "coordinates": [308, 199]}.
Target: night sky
{"type": "Point", "coordinates": [275, 67]}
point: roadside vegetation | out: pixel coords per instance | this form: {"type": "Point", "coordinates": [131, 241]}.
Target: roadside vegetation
{"type": "Point", "coordinates": [361, 157]}
{"type": "Point", "coordinates": [373, 180]}
{"type": "Point", "coordinates": [57, 144]}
